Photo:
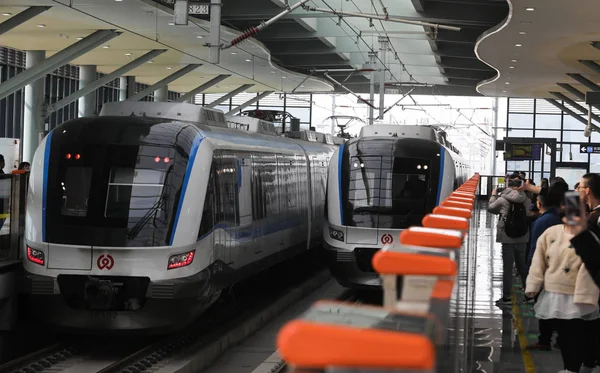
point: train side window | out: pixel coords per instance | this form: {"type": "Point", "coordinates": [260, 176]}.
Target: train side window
{"type": "Point", "coordinates": [207, 223]}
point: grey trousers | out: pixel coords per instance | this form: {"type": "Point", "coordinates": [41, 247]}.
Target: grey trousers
{"type": "Point", "coordinates": [513, 253]}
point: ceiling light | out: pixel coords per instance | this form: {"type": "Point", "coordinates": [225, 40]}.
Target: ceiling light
{"type": "Point", "coordinates": [150, 61]}
{"type": "Point", "coordinates": [522, 33]}
{"type": "Point", "coordinates": [79, 38]}
{"type": "Point", "coordinates": [272, 72]}
{"type": "Point", "coordinates": [525, 23]}
{"type": "Point", "coordinates": [128, 54]}
{"type": "Point", "coordinates": [518, 45]}
{"type": "Point", "coordinates": [171, 23]}
{"type": "Point", "coordinates": [233, 52]}
{"type": "Point", "coordinates": [283, 77]}
{"type": "Point", "coordinates": [511, 67]}
{"type": "Point", "coordinates": [302, 86]}
{"type": "Point", "coordinates": [530, 9]}
{"type": "Point", "coordinates": [248, 60]}
{"type": "Point", "coordinates": [169, 68]}
{"type": "Point", "coordinates": [106, 47]}
{"type": "Point", "coordinates": [41, 25]}
{"type": "Point", "coordinates": [513, 60]}
{"type": "Point", "coordinates": [7, 14]}
{"type": "Point", "coordinates": [199, 37]}
{"type": "Point", "coordinates": [507, 83]}
{"type": "Point", "coordinates": [118, 0]}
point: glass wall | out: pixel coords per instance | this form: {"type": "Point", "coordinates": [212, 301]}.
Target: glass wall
{"type": "Point", "coordinates": [537, 118]}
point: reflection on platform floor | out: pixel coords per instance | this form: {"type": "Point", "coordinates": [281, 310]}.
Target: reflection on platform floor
{"type": "Point", "coordinates": [495, 335]}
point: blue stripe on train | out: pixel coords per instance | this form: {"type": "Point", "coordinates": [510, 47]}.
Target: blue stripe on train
{"type": "Point", "coordinates": [45, 184]}
{"type": "Point", "coordinates": [195, 145]}
{"type": "Point", "coordinates": [441, 178]}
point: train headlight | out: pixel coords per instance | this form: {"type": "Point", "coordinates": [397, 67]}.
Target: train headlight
{"type": "Point", "coordinates": [35, 256]}
{"type": "Point", "coordinates": [181, 260]}
{"type": "Point", "coordinates": [336, 235]}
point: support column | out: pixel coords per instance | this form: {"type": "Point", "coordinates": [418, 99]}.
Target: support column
{"type": "Point", "coordinates": [161, 94]}
{"type": "Point", "coordinates": [383, 48]}
{"type": "Point", "coordinates": [33, 120]}
{"type": "Point", "coordinates": [126, 87]}
{"type": "Point", "coordinates": [373, 56]}
{"type": "Point", "coordinates": [87, 104]}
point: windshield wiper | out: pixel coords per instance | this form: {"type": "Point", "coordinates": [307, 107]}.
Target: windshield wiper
{"type": "Point", "coordinates": [136, 229]}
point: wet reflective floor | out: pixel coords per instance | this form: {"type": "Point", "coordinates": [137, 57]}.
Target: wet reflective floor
{"type": "Point", "coordinates": [488, 338]}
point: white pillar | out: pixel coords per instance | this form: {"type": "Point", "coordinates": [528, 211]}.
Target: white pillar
{"type": "Point", "coordinates": [33, 121]}
{"type": "Point", "coordinates": [126, 87]}
{"type": "Point", "coordinates": [87, 104]}
{"type": "Point", "coordinates": [161, 94]}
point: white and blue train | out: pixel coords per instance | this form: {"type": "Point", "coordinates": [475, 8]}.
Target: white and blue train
{"type": "Point", "coordinates": [380, 183]}
{"type": "Point", "coordinates": [137, 219]}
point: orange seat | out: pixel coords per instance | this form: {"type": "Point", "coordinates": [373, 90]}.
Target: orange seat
{"type": "Point", "coordinates": [453, 211]}
{"type": "Point", "coordinates": [445, 222]}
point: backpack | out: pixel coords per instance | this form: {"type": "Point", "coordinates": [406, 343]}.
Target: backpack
{"type": "Point", "coordinates": [516, 225]}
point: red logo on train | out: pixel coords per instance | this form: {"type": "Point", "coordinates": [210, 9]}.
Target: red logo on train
{"type": "Point", "coordinates": [105, 261]}
{"type": "Point", "coordinates": [387, 239]}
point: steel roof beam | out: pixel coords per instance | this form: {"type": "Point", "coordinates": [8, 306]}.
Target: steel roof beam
{"type": "Point", "coordinates": [572, 90]}
{"type": "Point", "coordinates": [249, 102]}
{"type": "Point", "coordinates": [571, 113]}
{"type": "Point", "coordinates": [163, 82]}
{"type": "Point", "coordinates": [584, 81]}
{"type": "Point", "coordinates": [231, 94]}
{"type": "Point", "coordinates": [201, 88]}
{"type": "Point", "coordinates": [21, 18]}
{"type": "Point", "coordinates": [57, 60]}
{"type": "Point", "coordinates": [591, 65]}
{"type": "Point", "coordinates": [91, 87]}
{"type": "Point", "coordinates": [581, 108]}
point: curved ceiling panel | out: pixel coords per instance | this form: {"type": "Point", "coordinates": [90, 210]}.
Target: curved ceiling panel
{"type": "Point", "coordinates": [540, 45]}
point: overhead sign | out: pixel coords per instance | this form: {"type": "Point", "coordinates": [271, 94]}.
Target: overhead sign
{"type": "Point", "coordinates": [592, 98]}
{"type": "Point", "coordinates": [589, 148]}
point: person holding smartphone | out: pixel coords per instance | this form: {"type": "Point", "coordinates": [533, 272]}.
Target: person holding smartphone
{"type": "Point", "coordinates": [568, 296]}
{"type": "Point", "coordinates": [512, 231]}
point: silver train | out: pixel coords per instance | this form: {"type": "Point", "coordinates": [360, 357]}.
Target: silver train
{"type": "Point", "coordinates": [139, 218]}
{"type": "Point", "coordinates": [380, 183]}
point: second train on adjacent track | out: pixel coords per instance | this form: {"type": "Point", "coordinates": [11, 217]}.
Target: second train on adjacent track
{"type": "Point", "coordinates": [380, 183]}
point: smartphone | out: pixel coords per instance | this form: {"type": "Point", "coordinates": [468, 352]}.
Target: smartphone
{"type": "Point", "coordinates": [515, 183]}
{"type": "Point", "coordinates": [572, 207]}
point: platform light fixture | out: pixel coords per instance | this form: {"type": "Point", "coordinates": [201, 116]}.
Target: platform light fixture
{"type": "Point", "coordinates": [80, 38]}
{"type": "Point", "coordinates": [106, 46]}
{"type": "Point", "coordinates": [248, 60]}
{"type": "Point", "coordinates": [530, 9]}
{"type": "Point", "coordinates": [169, 68]}
{"type": "Point", "coordinates": [522, 33]}
{"type": "Point", "coordinates": [128, 54]}
{"type": "Point", "coordinates": [199, 37]}
{"type": "Point", "coordinates": [514, 61]}
{"type": "Point", "coordinates": [507, 83]}
{"type": "Point", "coordinates": [41, 25]}
{"type": "Point", "coordinates": [171, 23]}
{"type": "Point", "coordinates": [234, 53]}
{"type": "Point", "coordinates": [7, 14]}
{"type": "Point", "coordinates": [511, 67]}
{"type": "Point", "coordinates": [284, 77]}
{"type": "Point", "coordinates": [518, 45]}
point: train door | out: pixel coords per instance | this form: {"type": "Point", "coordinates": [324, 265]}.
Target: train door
{"type": "Point", "coordinates": [284, 179]}
{"type": "Point", "coordinates": [228, 214]}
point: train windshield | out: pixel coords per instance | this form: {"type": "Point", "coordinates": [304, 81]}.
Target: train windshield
{"type": "Point", "coordinates": [387, 192]}
{"type": "Point", "coordinates": [120, 192]}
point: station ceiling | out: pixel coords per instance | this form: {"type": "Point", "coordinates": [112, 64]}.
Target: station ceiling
{"type": "Point", "coordinates": [544, 49]}
{"type": "Point", "coordinates": [282, 57]}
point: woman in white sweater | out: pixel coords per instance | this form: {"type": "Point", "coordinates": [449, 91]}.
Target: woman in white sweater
{"type": "Point", "coordinates": [568, 296]}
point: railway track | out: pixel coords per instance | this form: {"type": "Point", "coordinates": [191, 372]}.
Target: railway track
{"type": "Point", "coordinates": [224, 323]}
